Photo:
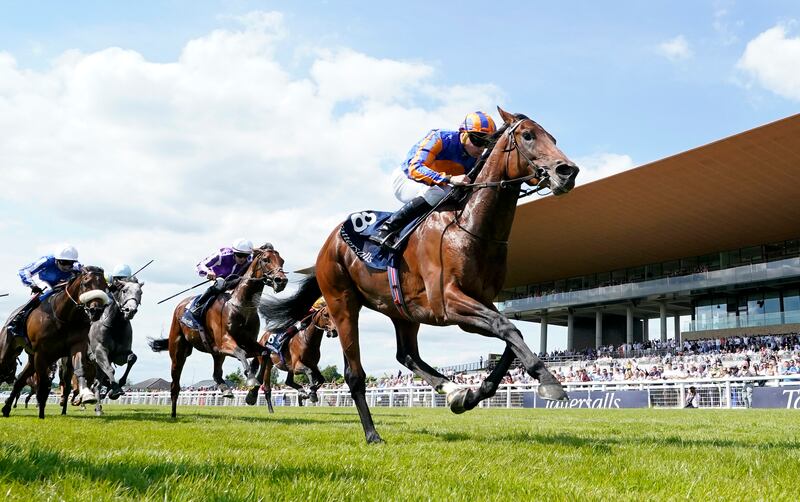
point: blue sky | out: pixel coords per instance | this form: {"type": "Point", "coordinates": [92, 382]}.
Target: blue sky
{"type": "Point", "coordinates": [167, 129]}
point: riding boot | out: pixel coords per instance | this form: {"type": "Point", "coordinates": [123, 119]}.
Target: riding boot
{"type": "Point", "coordinates": [398, 220]}
{"type": "Point", "coordinates": [16, 326]}
{"type": "Point", "coordinates": [200, 304]}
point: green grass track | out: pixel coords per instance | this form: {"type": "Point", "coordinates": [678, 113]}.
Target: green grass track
{"type": "Point", "coordinates": [136, 453]}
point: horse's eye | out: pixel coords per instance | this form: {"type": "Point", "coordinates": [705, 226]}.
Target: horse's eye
{"type": "Point", "coordinates": [527, 136]}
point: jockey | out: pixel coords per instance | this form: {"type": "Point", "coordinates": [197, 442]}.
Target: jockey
{"type": "Point", "coordinates": [42, 276]}
{"type": "Point", "coordinates": [440, 159]}
{"type": "Point", "coordinates": [225, 268]}
{"type": "Point", "coordinates": [119, 273]}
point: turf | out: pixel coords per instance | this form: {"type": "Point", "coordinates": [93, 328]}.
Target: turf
{"type": "Point", "coordinates": [315, 454]}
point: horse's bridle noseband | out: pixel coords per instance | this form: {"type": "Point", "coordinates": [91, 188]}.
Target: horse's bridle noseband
{"type": "Point", "coordinates": [269, 275]}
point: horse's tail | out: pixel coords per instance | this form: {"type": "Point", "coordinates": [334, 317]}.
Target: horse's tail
{"type": "Point", "coordinates": [282, 313]}
{"type": "Point", "coordinates": [158, 344]}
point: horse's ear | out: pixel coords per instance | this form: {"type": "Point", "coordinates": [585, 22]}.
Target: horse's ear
{"type": "Point", "coordinates": [508, 118]}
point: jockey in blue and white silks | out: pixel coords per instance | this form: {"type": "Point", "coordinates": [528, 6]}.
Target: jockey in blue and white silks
{"type": "Point", "coordinates": [41, 276]}
{"type": "Point", "coordinates": [226, 269]}
{"type": "Point", "coordinates": [440, 159]}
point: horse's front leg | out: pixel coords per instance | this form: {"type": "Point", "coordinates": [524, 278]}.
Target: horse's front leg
{"type": "Point", "coordinates": [106, 371]}
{"type": "Point", "coordinates": [81, 364]}
{"type": "Point", "coordinates": [316, 379]}
{"type": "Point", "coordinates": [475, 317]}
{"type": "Point", "coordinates": [252, 394]}
{"type": "Point", "coordinates": [43, 375]}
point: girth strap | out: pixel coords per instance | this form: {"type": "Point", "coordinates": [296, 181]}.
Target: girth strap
{"type": "Point", "coordinates": [397, 292]}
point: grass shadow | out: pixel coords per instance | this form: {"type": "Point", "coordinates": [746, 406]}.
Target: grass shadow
{"type": "Point", "coordinates": [39, 464]}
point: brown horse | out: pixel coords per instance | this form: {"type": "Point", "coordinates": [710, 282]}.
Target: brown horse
{"type": "Point", "coordinates": [59, 327]}
{"type": "Point", "coordinates": [452, 267]}
{"type": "Point", "coordinates": [231, 325]}
{"type": "Point", "coordinates": [33, 383]}
{"type": "Point", "coordinates": [300, 355]}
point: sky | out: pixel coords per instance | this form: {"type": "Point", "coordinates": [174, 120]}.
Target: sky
{"type": "Point", "coordinates": [165, 130]}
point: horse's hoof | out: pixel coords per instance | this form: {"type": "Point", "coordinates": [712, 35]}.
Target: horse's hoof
{"type": "Point", "coordinates": [252, 382]}
{"type": "Point", "coordinates": [6, 412]}
{"type": "Point", "coordinates": [87, 397]}
{"type": "Point", "coordinates": [455, 400]}
{"type": "Point", "coordinates": [115, 394]}
{"type": "Point", "coordinates": [313, 398]}
{"type": "Point", "coordinates": [251, 397]}
{"type": "Point", "coordinates": [98, 413]}
{"type": "Point", "coordinates": [228, 394]}
{"type": "Point", "coordinates": [374, 438]}
{"type": "Point", "coordinates": [552, 392]}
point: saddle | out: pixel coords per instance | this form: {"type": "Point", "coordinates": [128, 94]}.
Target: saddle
{"type": "Point", "coordinates": [277, 341]}
{"type": "Point", "coordinates": [358, 227]}
{"type": "Point", "coordinates": [198, 323]}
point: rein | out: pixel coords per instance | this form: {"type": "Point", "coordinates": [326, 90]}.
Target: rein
{"type": "Point", "coordinates": [538, 172]}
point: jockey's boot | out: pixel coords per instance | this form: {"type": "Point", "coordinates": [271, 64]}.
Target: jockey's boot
{"type": "Point", "coordinates": [16, 326]}
{"type": "Point", "coordinates": [200, 305]}
{"type": "Point", "coordinates": [398, 220]}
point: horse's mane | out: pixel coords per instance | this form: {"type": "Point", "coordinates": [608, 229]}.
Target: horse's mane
{"type": "Point", "coordinates": [93, 270]}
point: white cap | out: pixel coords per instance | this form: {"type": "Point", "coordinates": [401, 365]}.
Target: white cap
{"type": "Point", "coordinates": [66, 252]}
{"type": "Point", "coordinates": [121, 270]}
{"type": "Point", "coordinates": [242, 246]}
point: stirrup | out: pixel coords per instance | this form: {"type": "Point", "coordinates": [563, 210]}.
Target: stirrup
{"type": "Point", "coordinates": [382, 241]}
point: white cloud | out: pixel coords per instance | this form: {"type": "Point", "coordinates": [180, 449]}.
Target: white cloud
{"type": "Point", "coordinates": [771, 60]}
{"type": "Point", "coordinates": [130, 160]}
{"type": "Point", "coordinates": [676, 49]}
{"type": "Point", "coordinates": [602, 165]}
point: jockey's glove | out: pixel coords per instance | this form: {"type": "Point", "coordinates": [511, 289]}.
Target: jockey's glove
{"type": "Point", "coordinates": [219, 282]}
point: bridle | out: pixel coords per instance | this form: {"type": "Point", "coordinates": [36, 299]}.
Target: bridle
{"type": "Point", "coordinates": [539, 172]}
{"type": "Point", "coordinates": [86, 310]}
{"type": "Point", "coordinates": [269, 275]}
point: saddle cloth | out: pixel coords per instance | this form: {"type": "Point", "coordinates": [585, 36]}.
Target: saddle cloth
{"type": "Point", "coordinates": [357, 228]}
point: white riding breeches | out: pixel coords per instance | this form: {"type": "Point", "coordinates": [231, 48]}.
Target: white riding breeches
{"type": "Point", "coordinates": [406, 189]}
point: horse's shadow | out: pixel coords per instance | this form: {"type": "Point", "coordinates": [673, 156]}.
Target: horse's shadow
{"type": "Point", "coordinates": [38, 464]}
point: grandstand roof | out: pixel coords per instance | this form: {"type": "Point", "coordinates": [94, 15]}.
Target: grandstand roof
{"type": "Point", "coordinates": [736, 192]}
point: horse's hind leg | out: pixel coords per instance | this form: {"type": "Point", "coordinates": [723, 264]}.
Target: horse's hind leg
{"type": "Point", "coordinates": [130, 362]}
{"type": "Point", "coordinates": [19, 383]}
{"type": "Point", "coordinates": [179, 349]}
{"type": "Point", "coordinates": [267, 365]}
{"type": "Point", "coordinates": [301, 392]}
{"type": "Point", "coordinates": [221, 385]}
{"type": "Point", "coordinates": [316, 379]}
{"type": "Point", "coordinates": [344, 309]}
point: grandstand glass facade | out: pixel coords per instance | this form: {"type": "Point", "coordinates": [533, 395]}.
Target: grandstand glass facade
{"type": "Point", "coordinates": [741, 289]}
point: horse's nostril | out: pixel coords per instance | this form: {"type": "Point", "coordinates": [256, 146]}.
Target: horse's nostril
{"type": "Point", "coordinates": [564, 170]}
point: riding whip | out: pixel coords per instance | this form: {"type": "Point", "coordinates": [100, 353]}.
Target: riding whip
{"type": "Point", "coordinates": [3, 294]}
{"type": "Point", "coordinates": [144, 267]}
{"type": "Point", "coordinates": [185, 290]}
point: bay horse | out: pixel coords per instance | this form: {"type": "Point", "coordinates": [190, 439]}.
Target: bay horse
{"type": "Point", "coordinates": [33, 384]}
{"type": "Point", "coordinates": [231, 324]}
{"type": "Point", "coordinates": [59, 327]}
{"type": "Point", "coordinates": [300, 355]}
{"type": "Point", "coordinates": [111, 337]}
{"type": "Point", "coordinates": [452, 267]}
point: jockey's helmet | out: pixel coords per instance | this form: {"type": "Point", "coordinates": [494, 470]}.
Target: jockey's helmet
{"type": "Point", "coordinates": [478, 122]}
{"type": "Point", "coordinates": [242, 246]}
{"type": "Point", "coordinates": [66, 253]}
{"type": "Point", "coordinates": [121, 270]}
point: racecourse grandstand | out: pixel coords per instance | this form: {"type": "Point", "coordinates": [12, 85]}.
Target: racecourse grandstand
{"type": "Point", "coordinates": [707, 240]}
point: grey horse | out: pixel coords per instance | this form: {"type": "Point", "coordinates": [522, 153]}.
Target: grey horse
{"type": "Point", "coordinates": [110, 338]}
